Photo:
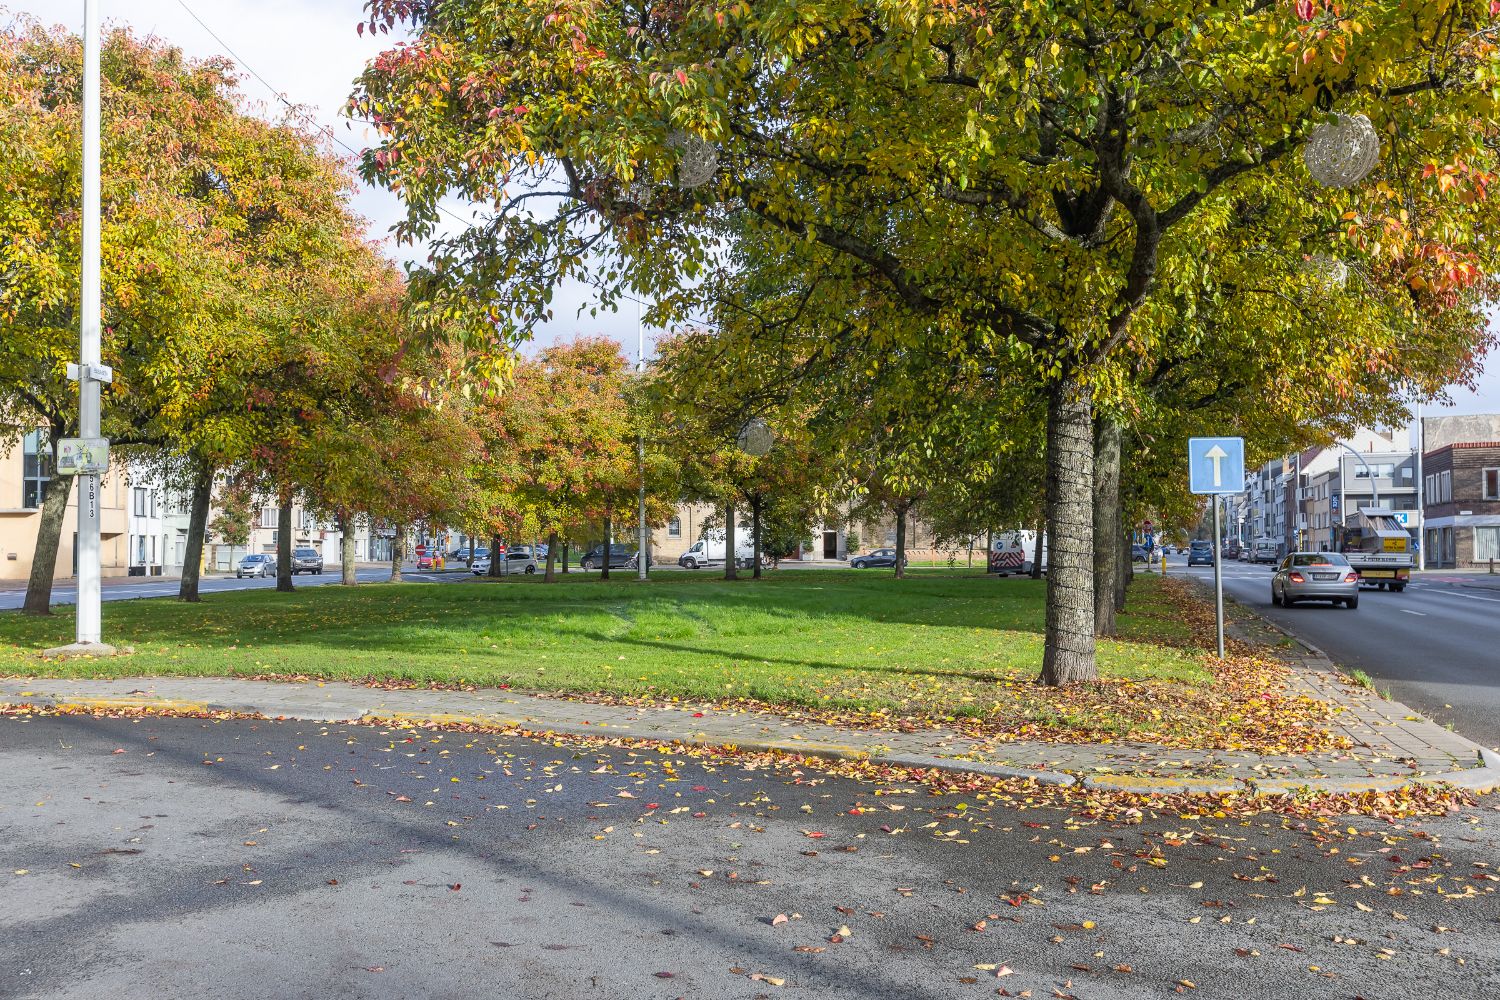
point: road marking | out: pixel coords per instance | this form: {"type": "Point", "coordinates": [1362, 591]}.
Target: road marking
{"type": "Point", "coordinates": [1468, 597]}
{"type": "Point", "coordinates": [1409, 611]}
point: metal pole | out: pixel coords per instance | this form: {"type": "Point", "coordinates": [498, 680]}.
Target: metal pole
{"type": "Point", "coordinates": [89, 572]}
{"type": "Point", "coordinates": [1421, 492]}
{"type": "Point", "coordinates": [642, 553]}
{"type": "Point", "coordinates": [1218, 580]}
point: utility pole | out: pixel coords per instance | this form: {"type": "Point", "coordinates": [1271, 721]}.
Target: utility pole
{"type": "Point", "coordinates": [642, 552]}
{"type": "Point", "coordinates": [90, 372]}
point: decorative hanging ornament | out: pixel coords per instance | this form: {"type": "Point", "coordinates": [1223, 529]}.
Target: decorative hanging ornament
{"type": "Point", "coordinates": [1342, 153]}
{"type": "Point", "coordinates": [697, 160]}
{"type": "Point", "coordinates": [755, 437]}
{"type": "Point", "coordinates": [1330, 273]}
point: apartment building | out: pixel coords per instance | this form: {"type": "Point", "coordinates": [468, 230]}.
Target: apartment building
{"type": "Point", "coordinates": [25, 477]}
{"type": "Point", "coordinates": [1461, 472]}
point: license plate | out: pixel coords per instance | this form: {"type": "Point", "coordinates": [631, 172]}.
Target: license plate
{"type": "Point", "coordinates": [1378, 574]}
{"type": "Point", "coordinates": [1325, 576]}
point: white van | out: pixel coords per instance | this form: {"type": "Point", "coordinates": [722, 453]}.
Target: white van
{"type": "Point", "coordinates": [1265, 550]}
{"type": "Point", "coordinates": [1013, 552]}
{"type": "Point", "coordinates": [709, 550]}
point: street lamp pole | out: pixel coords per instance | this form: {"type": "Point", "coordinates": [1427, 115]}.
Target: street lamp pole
{"type": "Point", "coordinates": [89, 629]}
{"type": "Point", "coordinates": [642, 552]}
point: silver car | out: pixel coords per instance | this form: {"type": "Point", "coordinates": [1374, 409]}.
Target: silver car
{"type": "Point", "coordinates": [1315, 576]}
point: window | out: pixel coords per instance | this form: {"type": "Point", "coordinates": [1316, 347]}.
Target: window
{"type": "Point", "coordinates": [1445, 486]}
{"type": "Point", "coordinates": [151, 503]}
{"type": "Point", "coordinates": [1491, 478]}
{"type": "Point", "coordinates": [138, 501]}
{"type": "Point", "coordinates": [674, 527]}
{"type": "Point", "coordinates": [1486, 544]}
{"type": "Point", "coordinates": [1429, 488]}
{"type": "Point", "coordinates": [268, 516]}
{"type": "Point", "coordinates": [36, 469]}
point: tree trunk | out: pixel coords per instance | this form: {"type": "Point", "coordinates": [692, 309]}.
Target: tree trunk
{"type": "Point", "coordinates": [565, 557]}
{"type": "Point", "coordinates": [731, 572]}
{"type": "Point", "coordinates": [901, 541]}
{"type": "Point", "coordinates": [1069, 652]}
{"type": "Point", "coordinates": [192, 558]}
{"type": "Point", "coordinates": [608, 540]}
{"type": "Point", "coordinates": [496, 562]}
{"type": "Point", "coordinates": [48, 535]}
{"type": "Point", "coordinates": [398, 553]}
{"type": "Point", "coordinates": [755, 505]}
{"type": "Point", "coordinates": [551, 576]}
{"type": "Point", "coordinates": [284, 544]}
{"type": "Point", "coordinates": [1106, 523]}
{"type": "Point", "coordinates": [346, 550]}
{"type": "Point", "coordinates": [1041, 540]}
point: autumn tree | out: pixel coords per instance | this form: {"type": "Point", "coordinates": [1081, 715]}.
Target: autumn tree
{"type": "Point", "coordinates": [1014, 183]}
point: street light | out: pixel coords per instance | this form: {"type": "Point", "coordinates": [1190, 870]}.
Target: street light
{"type": "Point", "coordinates": [90, 372]}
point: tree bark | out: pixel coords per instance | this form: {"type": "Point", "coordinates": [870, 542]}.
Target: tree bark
{"type": "Point", "coordinates": [901, 510]}
{"type": "Point", "coordinates": [608, 540]}
{"type": "Point", "coordinates": [495, 561]}
{"type": "Point", "coordinates": [1106, 522]}
{"type": "Point", "coordinates": [1069, 652]}
{"type": "Point", "coordinates": [284, 544]}
{"type": "Point", "coordinates": [48, 536]}
{"type": "Point", "coordinates": [551, 576]}
{"type": "Point", "coordinates": [565, 557]}
{"type": "Point", "coordinates": [755, 505]}
{"type": "Point", "coordinates": [398, 553]}
{"type": "Point", "coordinates": [192, 558]}
{"type": "Point", "coordinates": [1041, 540]}
{"type": "Point", "coordinates": [346, 551]}
{"type": "Point", "coordinates": [731, 571]}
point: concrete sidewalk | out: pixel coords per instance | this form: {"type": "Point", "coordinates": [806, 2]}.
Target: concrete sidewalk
{"type": "Point", "coordinates": [1393, 746]}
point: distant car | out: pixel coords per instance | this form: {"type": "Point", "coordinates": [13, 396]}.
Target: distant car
{"type": "Point", "coordinates": [256, 564]}
{"type": "Point", "coordinates": [427, 559]}
{"type": "Point", "coordinates": [1231, 549]}
{"type": "Point", "coordinates": [619, 557]}
{"type": "Point", "coordinates": [1139, 553]}
{"type": "Point", "coordinates": [307, 560]}
{"type": "Point", "coordinates": [462, 555]}
{"type": "Point", "coordinates": [520, 559]}
{"type": "Point", "coordinates": [1315, 576]}
{"type": "Point", "coordinates": [1244, 555]}
{"type": "Point", "coordinates": [876, 559]}
{"type": "Point", "coordinates": [1200, 552]}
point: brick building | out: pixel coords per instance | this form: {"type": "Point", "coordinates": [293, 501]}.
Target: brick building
{"type": "Point", "coordinates": [1462, 486]}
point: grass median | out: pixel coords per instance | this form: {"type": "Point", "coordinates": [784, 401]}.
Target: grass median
{"type": "Point", "coordinates": [940, 646]}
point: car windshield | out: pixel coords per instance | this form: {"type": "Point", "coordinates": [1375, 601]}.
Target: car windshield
{"type": "Point", "coordinates": [307, 552]}
{"type": "Point", "coordinates": [254, 558]}
{"type": "Point", "coordinates": [1319, 559]}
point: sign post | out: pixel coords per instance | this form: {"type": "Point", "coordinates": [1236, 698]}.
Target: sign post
{"type": "Point", "coordinates": [1217, 466]}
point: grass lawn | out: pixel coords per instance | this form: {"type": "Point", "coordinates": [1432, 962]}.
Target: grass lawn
{"type": "Point", "coordinates": [937, 646]}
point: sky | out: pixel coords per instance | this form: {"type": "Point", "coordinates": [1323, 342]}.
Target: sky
{"type": "Point", "coordinates": [310, 52]}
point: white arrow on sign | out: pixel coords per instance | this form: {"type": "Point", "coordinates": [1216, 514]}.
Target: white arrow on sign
{"type": "Point", "coordinates": [1217, 455]}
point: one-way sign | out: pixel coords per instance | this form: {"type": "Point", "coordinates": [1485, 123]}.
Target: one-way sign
{"type": "Point", "coordinates": [1216, 465]}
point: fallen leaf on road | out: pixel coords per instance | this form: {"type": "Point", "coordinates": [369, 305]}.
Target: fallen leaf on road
{"type": "Point", "coordinates": [778, 920]}
{"type": "Point", "coordinates": [761, 977]}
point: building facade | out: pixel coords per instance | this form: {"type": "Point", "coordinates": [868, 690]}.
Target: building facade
{"type": "Point", "coordinates": [25, 478]}
{"type": "Point", "coordinates": [1462, 528]}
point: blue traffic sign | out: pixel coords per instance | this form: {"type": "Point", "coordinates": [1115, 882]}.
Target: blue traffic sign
{"type": "Point", "coordinates": [1216, 465]}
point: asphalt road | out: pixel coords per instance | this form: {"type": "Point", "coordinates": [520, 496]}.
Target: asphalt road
{"type": "Point", "coordinates": [1435, 646]}
{"type": "Point", "coordinates": [125, 590]}
{"type": "Point", "coordinates": [181, 858]}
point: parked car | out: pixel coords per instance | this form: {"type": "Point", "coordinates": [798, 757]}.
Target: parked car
{"type": "Point", "coordinates": [1232, 548]}
{"type": "Point", "coordinates": [619, 557]}
{"type": "Point", "coordinates": [462, 555]}
{"type": "Point", "coordinates": [307, 560]}
{"type": "Point", "coordinates": [257, 564]}
{"type": "Point", "coordinates": [1139, 553]}
{"type": "Point", "coordinates": [876, 559]}
{"type": "Point", "coordinates": [1200, 552]}
{"type": "Point", "coordinates": [480, 564]}
{"type": "Point", "coordinates": [1315, 576]}
{"type": "Point", "coordinates": [1244, 555]}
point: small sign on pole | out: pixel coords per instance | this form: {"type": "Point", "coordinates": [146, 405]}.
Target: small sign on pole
{"type": "Point", "coordinates": [1216, 466]}
{"type": "Point", "coordinates": [82, 456]}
